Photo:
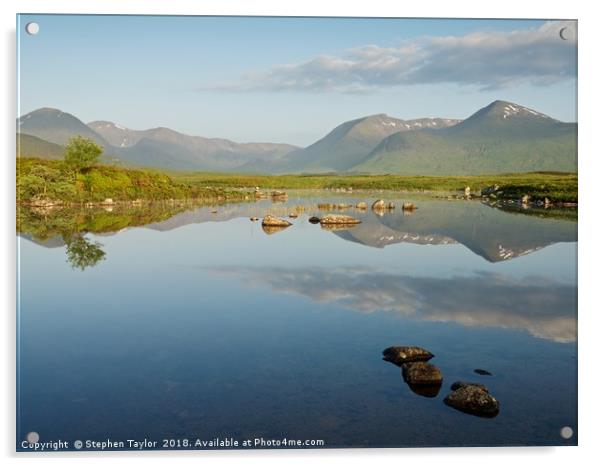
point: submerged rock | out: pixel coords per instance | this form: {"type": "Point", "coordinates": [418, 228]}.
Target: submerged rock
{"type": "Point", "coordinates": [482, 372]}
{"type": "Point", "coordinates": [421, 373]}
{"type": "Point", "coordinates": [428, 391]}
{"type": "Point", "coordinates": [337, 219]}
{"type": "Point", "coordinates": [270, 221]}
{"type": "Point", "coordinates": [270, 230]}
{"type": "Point", "coordinates": [473, 399]}
{"type": "Point", "coordinates": [314, 220]}
{"type": "Point", "coordinates": [402, 354]}
{"type": "Point", "coordinates": [462, 384]}
{"type": "Point", "coordinates": [337, 226]}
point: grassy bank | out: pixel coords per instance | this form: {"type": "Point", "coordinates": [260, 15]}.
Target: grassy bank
{"type": "Point", "coordinates": [560, 187]}
{"type": "Point", "coordinates": [55, 181]}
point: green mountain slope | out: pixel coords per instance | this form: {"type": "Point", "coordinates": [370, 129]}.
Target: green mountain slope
{"type": "Point", "coordinates": [502, 137]}
{"type": "Point", "coordinates": [31, 146]}
{"type": "Point", "coordinates": [350, 142]}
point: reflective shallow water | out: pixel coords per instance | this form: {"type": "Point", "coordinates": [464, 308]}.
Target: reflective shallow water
{"type": "Point", "coordinates": [204, 326]}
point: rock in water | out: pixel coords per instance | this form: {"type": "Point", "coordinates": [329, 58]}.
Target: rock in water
{"type": "Point", "coordinates": [408, 206]}
{"type": "Point", "coordinates": [428, 391]}
{"type": "Point", "coordinates": [254, 219]}
{"type": "Point", "coordinates": [335, 219]}
{"type": "Point", "coordinates": [337, 226]}
{"type": "Point", "coordinates": [482, 372]}
{"type": "Point", "coordinates": [472, 399]}
{"type": "Point", "coordinates": [269, 221]}
{"type": "Point", "coordinates": [462, 383]}
{"type": "Point", "coordinates": [270, 230]}
{"type": "Point", "coordinates": [421, 373]}
{"type": "Point", "coordinates": [490, 190]}
{"type": "Point", "coordinates": [361, 206]}
{"type": "Point", "coordinates": [379, 205]}
{"type": "Point", "coordinates": [402, 354]}
{"type": "Point", "coordinates": [314, 220]}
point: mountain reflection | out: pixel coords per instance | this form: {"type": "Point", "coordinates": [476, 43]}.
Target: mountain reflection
{"type": "Point", "coordinates": [545, 308]}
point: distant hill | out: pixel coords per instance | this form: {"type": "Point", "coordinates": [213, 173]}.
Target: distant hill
{"type": "Point", "coordinates": [56, 126]}
{"type": "Point", "coordinates": [166, 148]}
{"type": "Point", "coordinates": [31, 146]}
{"type": "Point", "coordinates": [157, 147]}
{"type": "Point", "coordinates": [349, 143]}
{"type": "Point", "coordinates": [502, 137]}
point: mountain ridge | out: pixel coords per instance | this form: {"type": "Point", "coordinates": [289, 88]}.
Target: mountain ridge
{"type": "Point", "coordinates": [500, 137]}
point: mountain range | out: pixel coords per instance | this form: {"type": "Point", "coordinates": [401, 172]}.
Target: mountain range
{"type": "Point", "coordinates": [501, 137]}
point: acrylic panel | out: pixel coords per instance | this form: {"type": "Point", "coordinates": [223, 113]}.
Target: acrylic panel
{"type": "Point", "coordinates": [281, 232]}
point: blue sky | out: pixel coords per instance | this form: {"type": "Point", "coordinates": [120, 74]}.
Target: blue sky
{"type": "Point", "coordinates": [289, 79]}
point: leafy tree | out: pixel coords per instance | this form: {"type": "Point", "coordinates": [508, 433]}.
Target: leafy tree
{"type": "Point", "coordinates": [82, 153]}
{"type": "Point", "coordinates": [30, 186]}
{"type": "Point", "coordinates": [46, 174]}
{"type": "Point", "coordinates": [82, 253]}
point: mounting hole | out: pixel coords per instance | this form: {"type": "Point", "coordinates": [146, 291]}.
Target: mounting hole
{"type": "Point", "coordinates": [32, 28]}
{"type": "Point", "coordinates": [566, 432]}
{"type": "Point", "coordinates": [33, 437]}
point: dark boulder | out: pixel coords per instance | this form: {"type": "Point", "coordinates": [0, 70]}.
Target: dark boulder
{"type": "Point", "coordinates": [474, 400]}
{"type": "Point", "coordinates": [462, 383]}
{"type": "Point", "coordinates": [421, 373]}
{"type": "Point", "coordinates": [482, 372]}
{"type": "Point", "coordinates": [402, 354]}
{"type": "Point", "coordinates": [428, 391]}
{"type": "Point", "coordinates": [314, 220]}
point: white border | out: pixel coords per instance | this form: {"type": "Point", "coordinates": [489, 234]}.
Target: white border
{"type": "Point", "coordinates": [590, 169]}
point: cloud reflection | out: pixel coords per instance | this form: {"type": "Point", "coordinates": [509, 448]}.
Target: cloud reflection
{"type": "Point", "coordinates": [543, 307]}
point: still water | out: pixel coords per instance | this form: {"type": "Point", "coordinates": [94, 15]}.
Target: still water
{"type": "Point", "coordinates": [205, 326]}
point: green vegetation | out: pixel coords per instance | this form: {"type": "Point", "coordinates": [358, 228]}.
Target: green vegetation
{"type": "Point", "coordinates": [79, 179]}
{"type": "Point", "coordinates": [54, 181]}
{"type": "Point", "coordinates": [82, 153]}
{"type": "Point", "coordinates": [561, 187]}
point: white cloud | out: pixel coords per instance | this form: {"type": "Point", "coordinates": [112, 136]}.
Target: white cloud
{"type": "Point", "coordinates": [488, 60]}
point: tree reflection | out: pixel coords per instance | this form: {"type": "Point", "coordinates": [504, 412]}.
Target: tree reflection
{"type": "Point", "coordinates": [82, 253]}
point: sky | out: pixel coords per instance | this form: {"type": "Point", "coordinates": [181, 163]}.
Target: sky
{"type": "Point", "coordinates": [257, 79]}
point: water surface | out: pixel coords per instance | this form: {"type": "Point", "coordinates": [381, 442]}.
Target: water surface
{"type": "Point", "coordinates": [201, 325]}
